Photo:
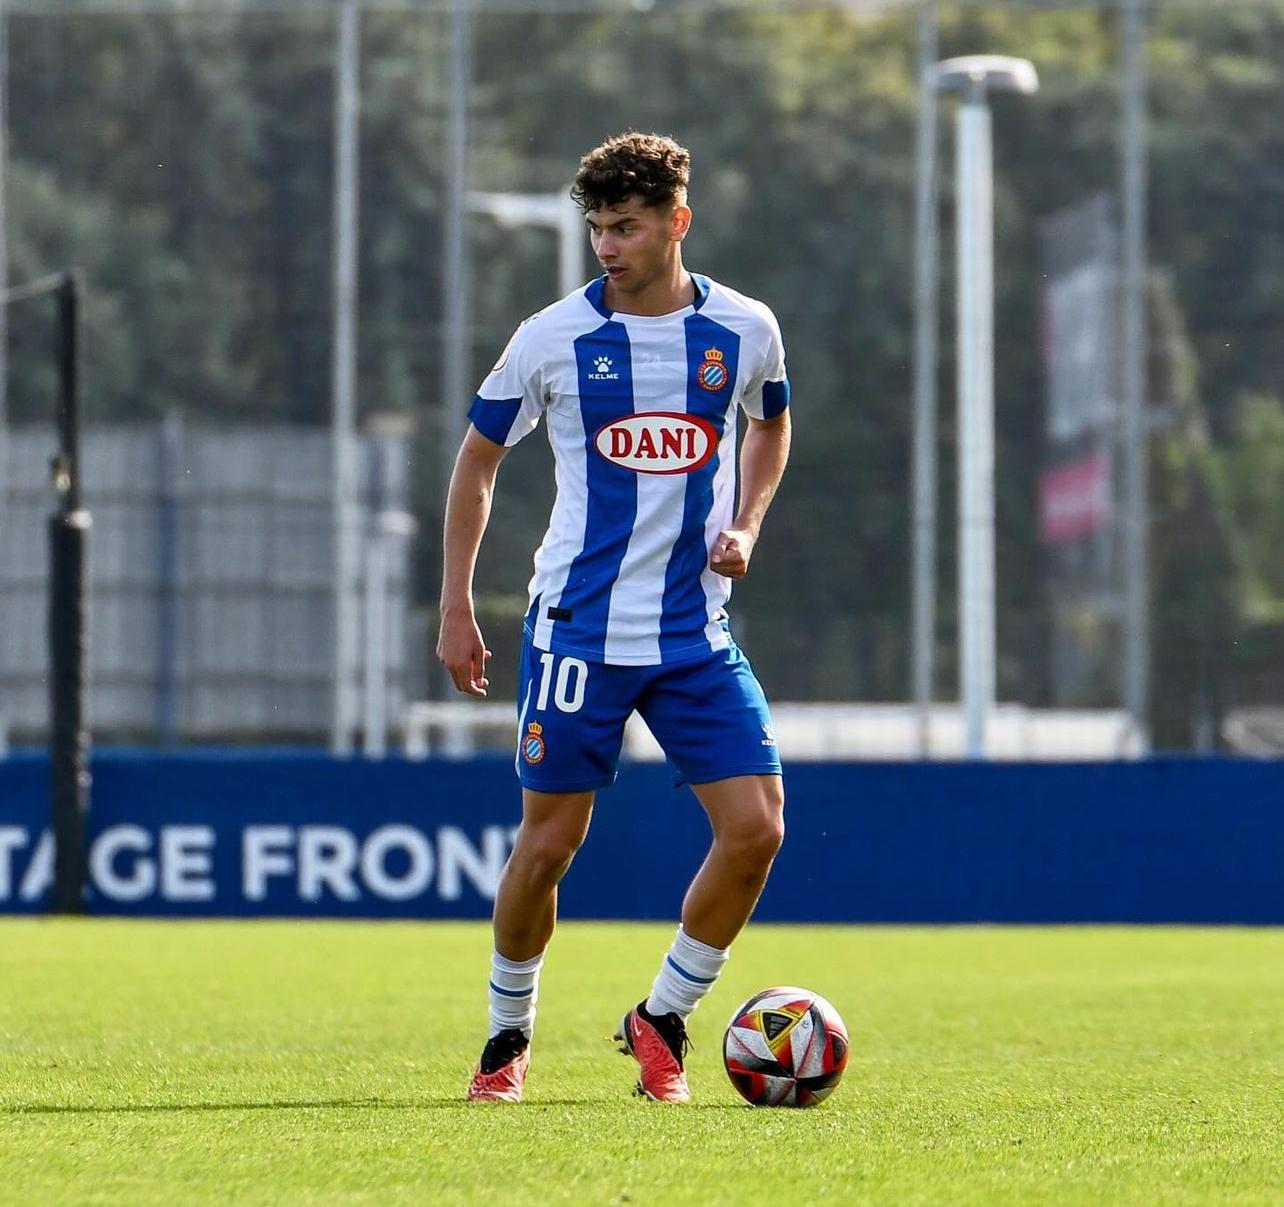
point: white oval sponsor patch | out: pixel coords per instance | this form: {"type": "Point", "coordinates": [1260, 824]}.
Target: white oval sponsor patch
{"type": "Point", "coordinates": [658, 442]}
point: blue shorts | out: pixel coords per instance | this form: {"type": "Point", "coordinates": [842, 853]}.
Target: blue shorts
{"type": "Point", "coordinates": [709, 715]}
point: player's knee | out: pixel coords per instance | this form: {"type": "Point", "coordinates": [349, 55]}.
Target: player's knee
{"type": "Point", "coordinates": [754, 850]}
{"type": "Point", "coordinates": [544, 853]}
{"type": "Point", "coordinates": [756, 836]}
{"type": "Point", "coordinates": [770, 836]}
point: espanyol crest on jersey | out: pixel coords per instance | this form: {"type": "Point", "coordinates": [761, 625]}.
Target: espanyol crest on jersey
{"type": "Point", "coordinates": [641, 414]}
{"type": "Point", "coordinates": [713, 373]}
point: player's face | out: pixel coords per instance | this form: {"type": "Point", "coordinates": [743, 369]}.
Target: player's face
{"type": "Point", "coordinates": [637, 243]}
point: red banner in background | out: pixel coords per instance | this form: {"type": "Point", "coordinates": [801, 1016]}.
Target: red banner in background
{"type": "Point", "coordinates": [1074, 500]}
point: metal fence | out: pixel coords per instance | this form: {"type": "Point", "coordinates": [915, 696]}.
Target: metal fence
{"type": "Point", "coordinates": [287, 214]}
{"type": "Point", "coordinates": [211, 572]}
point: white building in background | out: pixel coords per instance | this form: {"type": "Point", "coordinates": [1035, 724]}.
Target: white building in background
{"type": "Point", "coordinates": [819, 731]}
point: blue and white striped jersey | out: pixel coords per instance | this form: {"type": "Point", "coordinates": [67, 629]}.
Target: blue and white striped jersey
{"type": "Point", "coordinates": [641, 417]}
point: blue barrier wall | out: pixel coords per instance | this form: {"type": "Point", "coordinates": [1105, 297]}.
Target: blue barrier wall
{"type": "Point", "coordinates": [306, 835]}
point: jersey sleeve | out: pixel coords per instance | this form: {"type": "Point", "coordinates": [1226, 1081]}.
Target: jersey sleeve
{"type": "Point", "coordinates": [511, 399]}
{"type": "Point", "coordinates": [766, 393]}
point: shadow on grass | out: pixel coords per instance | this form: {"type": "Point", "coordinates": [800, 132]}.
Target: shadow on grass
{"type": "Point", "coordinates": [354, 1104]}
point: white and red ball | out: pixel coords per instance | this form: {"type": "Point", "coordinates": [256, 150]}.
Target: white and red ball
{"type": "Point", "coordinates": [785, 1047]}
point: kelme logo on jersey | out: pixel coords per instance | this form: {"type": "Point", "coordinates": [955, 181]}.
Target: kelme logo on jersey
{"type": "Point", "coordinates": [603, 369]}
{"type": "Point", "coordinates": [533, 743]}
{"type": "Point", "coordinates": [713, 373]}
{"type": "Point", "coordinates": [658, 442]}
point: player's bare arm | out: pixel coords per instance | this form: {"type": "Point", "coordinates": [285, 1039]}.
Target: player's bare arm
{"type": "Point", "coordinates": [763, 457]}
{"type": "Point", "coordinates": [460, 645]}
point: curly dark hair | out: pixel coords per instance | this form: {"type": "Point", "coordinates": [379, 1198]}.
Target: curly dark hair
{"type": "Point", "coordinates": [651, 166]}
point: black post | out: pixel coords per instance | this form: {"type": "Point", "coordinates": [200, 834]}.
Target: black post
{"type": "Point", "coordinates": [68, 627]}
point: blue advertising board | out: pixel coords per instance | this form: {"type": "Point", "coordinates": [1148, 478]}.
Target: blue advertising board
{"type": "Point", "coordinates": [1199, 841]}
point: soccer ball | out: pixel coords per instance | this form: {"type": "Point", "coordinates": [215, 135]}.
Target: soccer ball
{"type": "Point", "coordinates": [785, 1047]}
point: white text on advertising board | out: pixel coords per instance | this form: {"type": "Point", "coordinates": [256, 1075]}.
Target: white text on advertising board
{"type": "Point", "coordinates": [316, 863]}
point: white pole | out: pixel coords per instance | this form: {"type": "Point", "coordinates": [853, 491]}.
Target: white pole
{"type": "Point", "coordinates": [376, 686]}
{"type": "Point", "coordinates": [973, 76]}
{"type": "Point", "coordinates": [344, 377]}
{"type": "Point", "coordinates": [4, 261]}
{"type": "Point", "coordinates": [975, 258]}
{"type": "Point", "coordinates": [923, 527]}
{"type": "Point", "coordinates": [456, 301]}
{"type": "Point", "coordinates": [571, 240]}
{"type": "Point", "coordinates": [1136, 525]}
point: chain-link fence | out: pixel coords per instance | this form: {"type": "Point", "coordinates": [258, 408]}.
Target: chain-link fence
{"type": "Point", "coordinates": [188, 161]}
{"type": "Point", "coordinates": [211, 573]}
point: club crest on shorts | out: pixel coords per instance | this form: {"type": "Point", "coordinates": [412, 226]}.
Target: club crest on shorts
{"type": "Point", "coordinates": [713, 373]}
{"type": "Point", "coordinates": [533, 743]}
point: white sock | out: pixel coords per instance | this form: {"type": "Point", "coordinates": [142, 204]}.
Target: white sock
{"type": "Point", "coordinates": [514, 987]}
{"type": "Point", "coordinates": [687, 974]}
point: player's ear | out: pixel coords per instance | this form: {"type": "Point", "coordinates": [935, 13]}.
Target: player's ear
{"type": "Point", "coordinates": [680, 223]}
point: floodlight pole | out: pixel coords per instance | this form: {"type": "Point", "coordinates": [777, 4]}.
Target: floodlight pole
{"type": "Point", "coordinates": [923, 524]}
{"type": "Point", "coordinates": [385, 433]}
{"type": "Point", "coordinates": [4, 260]}
{"type": "Point", "coordinates": [1136, 521]}
{"type": "Point", "coordinates": [343, 439]}
{"type": "Point", "coordinates": [456, 295]}
{"type": "Point", "coordinates": [974, 76]}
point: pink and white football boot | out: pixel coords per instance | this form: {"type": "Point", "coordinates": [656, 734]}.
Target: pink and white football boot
{"type": "Point", "coordinates": [658, 1045]}
{"type": "Point", "coordinates": [501, 1072]}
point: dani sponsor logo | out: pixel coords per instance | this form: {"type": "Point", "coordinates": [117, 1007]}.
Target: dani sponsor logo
{"type": "Point", "coordinates": [657, 442]}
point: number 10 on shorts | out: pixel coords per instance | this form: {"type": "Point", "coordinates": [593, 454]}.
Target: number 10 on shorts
{"type": "Point", "coordinates": [566, 683]}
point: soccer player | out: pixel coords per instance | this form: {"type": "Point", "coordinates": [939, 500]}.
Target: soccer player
{"type": "Point", "coordinates": [639, 376]}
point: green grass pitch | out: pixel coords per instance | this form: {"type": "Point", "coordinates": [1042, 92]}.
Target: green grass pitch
{"type": "Point", "coordinates": [250, 1062]}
